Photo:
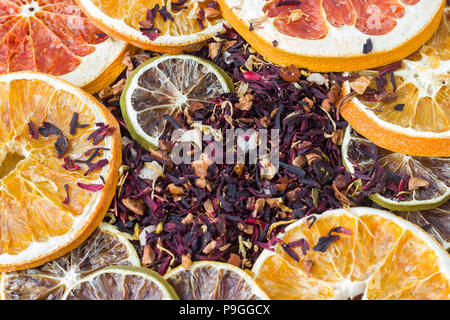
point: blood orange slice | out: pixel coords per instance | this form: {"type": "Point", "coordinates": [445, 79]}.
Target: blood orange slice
{"type": "Point", "coordinates": [330, 35]}
{"type": "Point", "coordinates": [56, 37]}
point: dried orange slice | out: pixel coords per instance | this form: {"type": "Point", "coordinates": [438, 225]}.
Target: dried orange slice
{"type": "Point", "coordinates": [356, 252]}
{"type": "Point", "coordinates": [49, 203]}
{"type": "Point", "coordinates": [107, 246]}
{"type": "Point", "coordinates": [328, 35]}
{"type": "Point", "coordinates": [209, 280]}
{"type": "Point", "coordinates": [416, 119]}
{"type": "Point", "coordinates": [434, 221]}
{"type": "Point", "coordinates": [158, 25]}
{"type": "Point", "coordinates": [56, 37]}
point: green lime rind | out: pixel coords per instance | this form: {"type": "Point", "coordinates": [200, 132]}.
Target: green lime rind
{"type": "Point", "coordinates": [165, 287]}
{"type": "Point", "coordinates": [145, 140]}
{"type": "Point", "coordinates": [409, 205]}
{"type": "Point", "coordinates": [413, 205]}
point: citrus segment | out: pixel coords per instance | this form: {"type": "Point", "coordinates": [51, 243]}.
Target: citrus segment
{"type": "Point", "coordinates": [428, 179]}
{"type": "Point", "coordinates": [166, 85]}
{"type": "Point", "coordinates": [105, 247]}
{"type": "Point", "coordinates": [121, 283]}
{"type": "Point", "coordinates": [356, 252]}
{"type": "Point", "coordinates": [333, 35]}
{"type": "Point", "coordinates": [47, 207]}
{"type": "Point", "coordinates": [158, 25]}
{"type": "Point", "coordinates": [414, 117]}
{"type": "Point", "coordinates": [57, 38]}
{"type": "Point", "coordinates": [207, 280]}
{"type": "Point", "coordinates": [434, 221]}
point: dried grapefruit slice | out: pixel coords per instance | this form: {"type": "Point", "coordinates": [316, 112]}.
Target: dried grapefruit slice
{"type": "Point", "coordinates": [105, 247]}
{"type": "Point", "coordinates": [209, 280]}
{"type": "Point", "coordinates": [416, 119]}
{"type": "Point", "coordinates": [56, 37]}
{"type": "Point", "coordinates": [49, 203]}
{"type": "Point", "coordinates": [329, 35]}
{"type": "Point", "coordinates": [356, 252]}
{"type": "Point", "coordinates": [158, 25]}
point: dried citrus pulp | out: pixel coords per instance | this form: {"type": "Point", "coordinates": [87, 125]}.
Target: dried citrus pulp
{"type": "Point", "coordinates": [433, 174]}
{"type": "Point", "coordinates": [207, 280]}
{"type": "Point", "coordinates": [158, 25]}
{"type": "Point", "coordinates": [49, 203]}
{"type": "Point", "coordinates": [165, 85]}
{"type": "Point", "coordinates": [121, 283]}
{"type": "Point", "coordinates": [56, 37]}
{"type": "Point", "coordinates": [328, 35]}
{"type": "Point", "coordinates": [435, 221]}
{"type": "Point", "coordinates": [415, 120]}
{"type": "Point", "coordinates": [353, 252]}
{"type": "Point", "coordinates": [105, 247]}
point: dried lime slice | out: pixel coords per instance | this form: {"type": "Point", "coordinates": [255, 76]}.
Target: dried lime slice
{"type": "Point", "coordinates": [432, 174]}
{"type": "Point", "coordinates": [107, 246]}
{"type": "Point", "coordinates": [208, 280]}
{"type": "Point", "coordinates": [165, 85]}
{"type": "Point", "coordinates": [121, 283]}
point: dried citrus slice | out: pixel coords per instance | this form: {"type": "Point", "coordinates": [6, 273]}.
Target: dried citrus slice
{"type": "Point", "coordinates": [49, 204]}
{"type": "Point", "coordinates": [434, 221]}
{"type": "Point", "coordinates": [356, 252]}
{"type": "Point", "coordinates": [158, 25]}
{"type": "Point", "coordinates": [426, 180]}
{"type": "Point", "coordinates": [121, 283]}
{"type": "Point", "coordinates": [415, 120]}
{"type": "Point", "coordinates": [56, 37]}
{"type": "Point", "coordinates": [209, 280]}
{"type": "Point", "coordinates": [105, 247]}
{"type": "Point", "coordinates": [329, 35]}
{"type": "Point", "coordinates": [166, 85]}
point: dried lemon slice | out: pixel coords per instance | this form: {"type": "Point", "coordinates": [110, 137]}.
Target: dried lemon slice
{"type": "Point", "coordinates": [166, 85]}
{"type": "Point", "coordinates": [121, 283]}
{"type": "Point", "coordinates": [208, 280]}
{"type": "Point", "coordinates": [106, 247]}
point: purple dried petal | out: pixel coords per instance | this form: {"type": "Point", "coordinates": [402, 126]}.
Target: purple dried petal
{"type": "Point", "coordinates": [67, 199]}
{"type": "Point", "coordinates": [290, 252]}
{"type": "Point", "coordinates": [96, 166]}
{"type": "Point", "coordinates": [90, 187]}
{"type": "Point", "coordinates": [32, 129]}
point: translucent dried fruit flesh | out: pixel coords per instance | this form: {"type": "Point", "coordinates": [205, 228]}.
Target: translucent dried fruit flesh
{"type": "Point", "coordinates": [32, 177]}
{"type": "Point", "coordinates": [45, 36]}
{"type": "Point", "coordinates": [105, 247]}
{"type": "Point", "coordinates": [166, 85]}
{"type": "Point", "coordinates": [121, 283]}
{"type": "Point", "coordinates": [383, 258]}
{"type": "Point", "coordinates": [213, 281]}
{"type": "Point", "coordinates": [435, 172]}
{"type": "Point", "coordinates": [305, 19]}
